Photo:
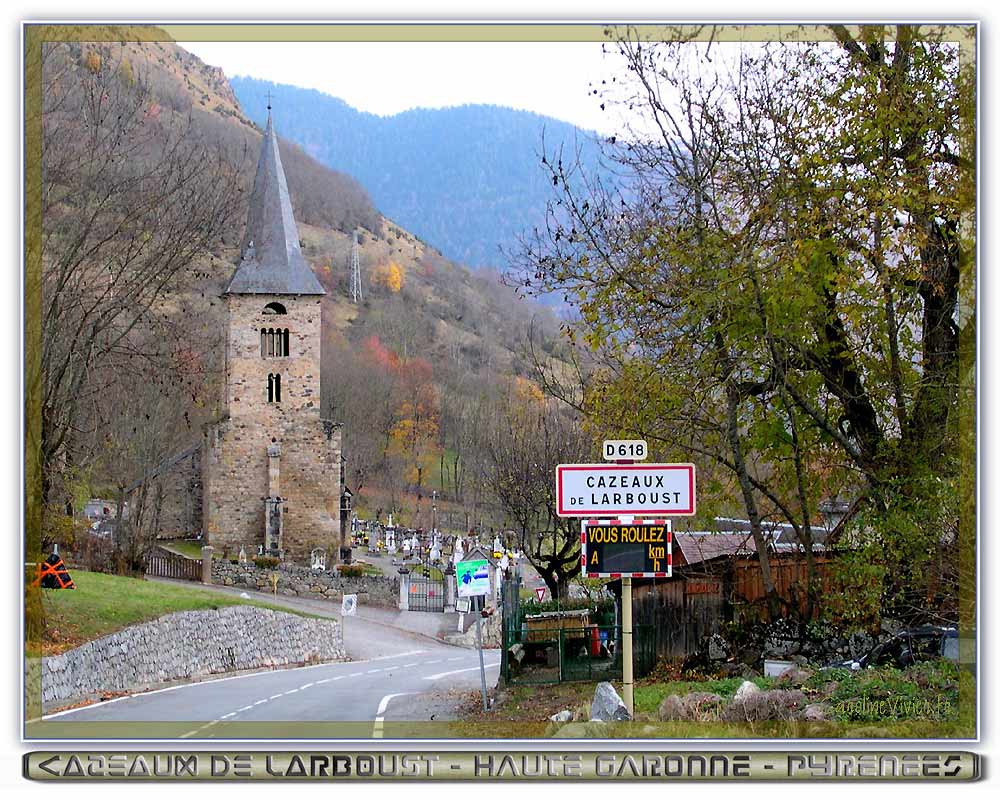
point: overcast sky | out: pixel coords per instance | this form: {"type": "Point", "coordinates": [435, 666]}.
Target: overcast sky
{"type": "Point", "coordinates": [384, 78]}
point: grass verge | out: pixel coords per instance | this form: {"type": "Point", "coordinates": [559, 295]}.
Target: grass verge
{"type": "Point", "coordinates": [922, 701]}
{"type": "Point", "coordinates": [102, 604]}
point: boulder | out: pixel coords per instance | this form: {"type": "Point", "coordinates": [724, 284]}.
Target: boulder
{"type": "Point", "coordinates": [693, 706]}
{"type": "Point", "coordinates": [776, 704]}
{"type": "Point", "coordinates": [671, 709]}
{"type": "Point", "coordinates": [817, 712]}
{"type": "Point", "coordinates": [796, 676]}
{"type": "Point", "coordinates": [718, 649]}
{"type": "Point", "coordinates": [747, 688]}
{"type": "Point", "coordinates": [607, 704]}
{"type": "Point", "coordinates": [562, 716]}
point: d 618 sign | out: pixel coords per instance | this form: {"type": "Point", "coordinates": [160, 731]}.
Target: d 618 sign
{"type": "Point", "coordinates": [625, 450]}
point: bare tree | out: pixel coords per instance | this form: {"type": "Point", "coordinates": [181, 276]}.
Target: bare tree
{"type": "Point", "coordinates": [526, 437]}
{"type": "Point", "coordinates": [132, 197]}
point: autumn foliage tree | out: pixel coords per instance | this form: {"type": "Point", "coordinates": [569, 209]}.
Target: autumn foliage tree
{"type": "Point", "coordinates": [389, 275]}
{"type": "Point", "coordinates": [777, 289]}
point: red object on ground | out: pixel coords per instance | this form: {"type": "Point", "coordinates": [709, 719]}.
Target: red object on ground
{"type": "Point", "coordinates": [595, 640]}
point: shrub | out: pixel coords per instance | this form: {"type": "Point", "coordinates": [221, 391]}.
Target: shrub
{"type": "Point", "coordinates": [350, 570]}
{"type": "Point", "coordinates": [266, 562]}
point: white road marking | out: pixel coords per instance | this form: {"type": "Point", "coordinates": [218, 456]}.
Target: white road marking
{"type": "Point", "coordinates": [405, 666]}
{"type": "Point", "coordinates": [227, 716]}
{"type": "Point", "coordinates": [395, 655]}
{"type": "Point", "coordinates": [220, 680]}
{"type": "Point", "coordinates": [380, 714]}
{"type": "Point", "coordinates": [262, 701]}
{"type": "Point", "coordinates": [373, 671]}
{"type": "Point", "coordinates": [456, 671]}
{"type": "Point", "coordinates": [456, 658]}
{"type": "Point", "coordinates": [275, 696]}
{"type": "Point", "coordinates": [306, 685]}
{"type": "Point", "coordinates": [291, 691]}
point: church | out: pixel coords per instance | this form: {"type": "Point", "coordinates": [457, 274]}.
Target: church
{"type": "Point", "coordinates": [267, 476]}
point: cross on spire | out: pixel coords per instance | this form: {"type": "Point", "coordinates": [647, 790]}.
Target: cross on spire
{"type": "Point", "coordinates": [269, 99]}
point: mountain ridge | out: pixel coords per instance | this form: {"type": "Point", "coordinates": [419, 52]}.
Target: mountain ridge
{"type": "Point", "coordinates": [467, 179]}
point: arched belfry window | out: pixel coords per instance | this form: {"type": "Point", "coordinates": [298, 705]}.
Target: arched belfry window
{"type": "Point", "coordinates": [273, 342]}
{"type": "Point", "coordinates": [274, 308]}
{"type": "Point", "coordinates": [274, 388]}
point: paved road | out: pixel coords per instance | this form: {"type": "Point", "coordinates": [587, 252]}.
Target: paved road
{"type": "Point", "coordinates": [396, 675]}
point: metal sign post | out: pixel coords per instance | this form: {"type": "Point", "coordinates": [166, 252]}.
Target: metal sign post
{"type": "Point", "coordinates": [473, 577]}
{"type": "Point", "coordinates": [627, 679]}
{"type": "Point", "coordinates": [611, 495]}
{"type": "Point", "coordinates": [482, 663]}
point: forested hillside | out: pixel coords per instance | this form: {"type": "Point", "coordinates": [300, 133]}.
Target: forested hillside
{"type": "Point", "coordinates": [468, 180]}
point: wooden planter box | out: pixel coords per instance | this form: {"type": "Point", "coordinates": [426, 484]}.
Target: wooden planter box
{"type": "Point", "coordinates": [545, 627]}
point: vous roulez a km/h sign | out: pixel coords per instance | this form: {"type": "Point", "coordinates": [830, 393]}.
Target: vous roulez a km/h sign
{"type": "Point", "coordinates": [639, 549]}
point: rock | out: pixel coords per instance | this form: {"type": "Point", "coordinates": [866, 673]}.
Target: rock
{"type": "Point", "coordinates": [717, 649]}
{"type": "Point", "coordinates": [607, 705]}
{"type": "Point", "coordinates": [692, 706]}
{"type": "Point", "coordinates": [817, 712]}
{"type": "Point", "coordinates": [563, 716]}
{"type": "Point", "coordinates": [776, 704]}
{"type": "Point", "coordinates": [796, 676]}
{"type": "Point", "coordinates": [244, 595]}
{"type": "Point", "coordinates": [671, 709]}
{"type": "Point", "coordinates": [746, 689]}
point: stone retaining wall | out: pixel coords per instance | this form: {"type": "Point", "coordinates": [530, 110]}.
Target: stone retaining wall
{"type": "Point", "coordinates": [298, 581]}
{"type": "Point", "coordinates": [189, 644]}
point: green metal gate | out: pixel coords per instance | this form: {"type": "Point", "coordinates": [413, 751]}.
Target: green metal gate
{"type": "Point", "coordinates": [591, 653]}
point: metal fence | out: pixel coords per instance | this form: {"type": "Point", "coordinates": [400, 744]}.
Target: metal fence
{"type": "Point", "coordinates": [560, 654]}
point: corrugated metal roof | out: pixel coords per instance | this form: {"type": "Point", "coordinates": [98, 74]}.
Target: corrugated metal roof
{"type": "Point", "coordinates": [271, 260]}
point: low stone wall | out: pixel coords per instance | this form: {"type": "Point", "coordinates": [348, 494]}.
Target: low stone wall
{"type": "Point", "coordinates": [492, 634]}
{"type": "Point", "coordinates": [298, 581]}
{"type": "Point", "coordinates": [189, 644]}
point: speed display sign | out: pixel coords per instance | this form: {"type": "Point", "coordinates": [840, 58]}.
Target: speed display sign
{"type": "Point", "coordinates": [638, 549]}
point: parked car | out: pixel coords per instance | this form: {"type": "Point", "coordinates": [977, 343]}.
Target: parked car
{"type": "Point", "coordinates": [907, 647]}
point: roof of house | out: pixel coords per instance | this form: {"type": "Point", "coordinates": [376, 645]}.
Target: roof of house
{"type": "Point", "coordinates": [697, 546]}
{"type": "Point", "coordinates": [271, 259]}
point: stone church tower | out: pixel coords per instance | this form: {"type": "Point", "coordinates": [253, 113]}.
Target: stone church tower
{"type": "Point", "coordinates": [271, 470]}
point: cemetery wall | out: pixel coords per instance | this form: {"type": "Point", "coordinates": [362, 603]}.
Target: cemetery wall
{"type": "Point", "coordinates": [298, 581]}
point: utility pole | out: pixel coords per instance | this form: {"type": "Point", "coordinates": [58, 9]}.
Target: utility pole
{"type": "Point", "coordinates": [356, 294]}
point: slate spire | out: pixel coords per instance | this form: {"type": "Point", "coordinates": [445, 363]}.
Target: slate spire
{"type": "Point", "coordinates": [271, 261]}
